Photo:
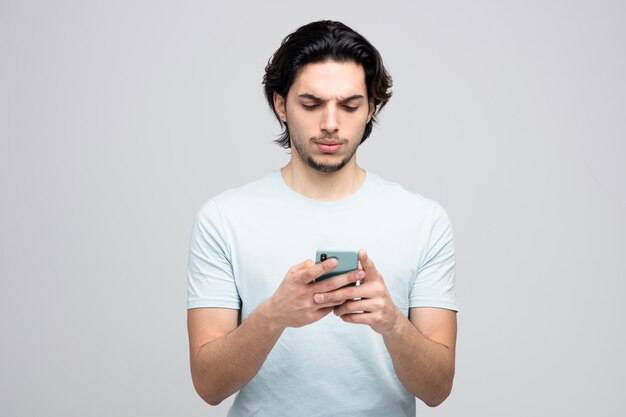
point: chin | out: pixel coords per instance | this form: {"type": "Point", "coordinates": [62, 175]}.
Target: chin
{"type": "Point", "coordinates": [327, 167]}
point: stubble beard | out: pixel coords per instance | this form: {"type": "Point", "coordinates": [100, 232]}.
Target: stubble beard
{"type": "Point", "coordinates": [320, 166]}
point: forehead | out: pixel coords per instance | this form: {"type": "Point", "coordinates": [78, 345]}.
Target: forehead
{"type": "Point", "coordinates": [330, 79]}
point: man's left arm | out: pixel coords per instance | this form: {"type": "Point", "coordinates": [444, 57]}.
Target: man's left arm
{"type": "Point", "coordinates": [422, 350]}
{"type": "Point", "coordinates": [421, 346]}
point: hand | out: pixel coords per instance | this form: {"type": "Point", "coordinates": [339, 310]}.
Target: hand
{"type": "Point", "coordinates": [373, 306]}
{"type": "Point", "coordinates": [292, 304]}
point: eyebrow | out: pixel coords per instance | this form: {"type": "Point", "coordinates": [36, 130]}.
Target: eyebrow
{"type": "Point", "coordinates": [343, 100]}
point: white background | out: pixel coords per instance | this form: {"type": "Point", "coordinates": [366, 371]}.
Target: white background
{"type": "Point", "coordinates": [118, 119]}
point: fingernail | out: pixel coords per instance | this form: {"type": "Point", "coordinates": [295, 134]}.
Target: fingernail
{"type": "Point", "coordinates": [333, 261]}
{"type": "Point", "coordinates": [360, 274]}
{"type": "Point", "coordinates": [319, 298]}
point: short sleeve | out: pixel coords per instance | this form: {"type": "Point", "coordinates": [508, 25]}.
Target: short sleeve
{"type": "Point", "coordinates": [435, 280]}
{"type": "Point", "coordinates": [210, 278]}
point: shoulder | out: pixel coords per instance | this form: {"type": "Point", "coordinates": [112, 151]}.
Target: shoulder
{"type": "Point", "coordinates": [246, 196]}
{"type": "Point", "coordinates": [398, 198]}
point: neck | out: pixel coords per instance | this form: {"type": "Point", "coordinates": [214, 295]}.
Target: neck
{"type": "Point", "coordinates": [321, 185]}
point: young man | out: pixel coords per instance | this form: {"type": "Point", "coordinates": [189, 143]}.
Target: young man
{"type": "Point", "coordinates": [258, 322]}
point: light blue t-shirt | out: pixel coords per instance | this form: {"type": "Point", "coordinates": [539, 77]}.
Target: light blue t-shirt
{"type": "Point", "coordinates": [244, 241]}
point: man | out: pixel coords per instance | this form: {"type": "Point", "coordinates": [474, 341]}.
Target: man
{"type": "Point", "coordinates": [258, 322]}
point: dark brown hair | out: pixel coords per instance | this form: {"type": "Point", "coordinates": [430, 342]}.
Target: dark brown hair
{"type": "Point", "coordinates": [318, 42]}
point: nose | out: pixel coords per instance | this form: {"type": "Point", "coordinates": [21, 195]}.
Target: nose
{"type": "Point", "coordinates": [330, 124]}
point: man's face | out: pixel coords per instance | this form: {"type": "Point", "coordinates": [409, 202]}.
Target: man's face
{"type": "Point", "coordinates": [326, 111]}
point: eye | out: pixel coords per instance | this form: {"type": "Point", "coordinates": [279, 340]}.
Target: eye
{"type": "Point", "coordinates": [310, 106]}
{"type": "Point", "coordinates": [350, 108]}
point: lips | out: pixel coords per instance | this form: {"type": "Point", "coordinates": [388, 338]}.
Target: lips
{"type": "Point", "coordinates": [328, 146]}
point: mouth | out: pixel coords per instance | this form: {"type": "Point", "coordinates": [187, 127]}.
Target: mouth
{"type": "Point", "coordinates": [328, 147]}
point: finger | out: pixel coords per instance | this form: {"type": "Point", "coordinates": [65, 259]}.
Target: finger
{"type": "Point", "coordinates": [332, 305]}
{"type": "Point", "coordinates": [336, 297]}
{"type": "Point", "coordinates": [302, 265]}
{"type": "Point", "coordinates": [343, 293]}
{"type": "Point", "coordinates": [331, 299]}
{"type": "Point", "coordinates": [371, 290]}
{"type": "Point", "coordinates": [357, 318]}
{"type": "Point", "coordinates": [313, 271]}
{"type": "Point", "coordinates": [371, 272]}
{"type": "Point", "coordinates": [359, 306]}
{"type": "Point", "coordinates": [331, 284]}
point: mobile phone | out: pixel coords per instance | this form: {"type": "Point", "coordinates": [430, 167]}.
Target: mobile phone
{"type": "Point", "coordinates": [348, 261]}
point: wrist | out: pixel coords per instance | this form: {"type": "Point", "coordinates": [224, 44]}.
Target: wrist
{"type": "Point", "coordinates": [267, 313]}
{"type": "Point", "coordinates": [397, 324]}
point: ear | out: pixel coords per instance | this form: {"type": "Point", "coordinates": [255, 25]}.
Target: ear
{"type": "Point", "coordinates": [279, 107]}
{"type": "Point", "coordinates": [371, 109]}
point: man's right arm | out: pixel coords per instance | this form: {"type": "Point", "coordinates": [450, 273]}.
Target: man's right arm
{"type": "Point", "coordinates": [224, 356]}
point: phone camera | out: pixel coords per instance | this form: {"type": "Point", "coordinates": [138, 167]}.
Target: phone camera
{"type": "Point", "coordinates": [323, 257]}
